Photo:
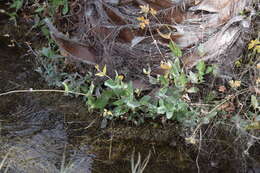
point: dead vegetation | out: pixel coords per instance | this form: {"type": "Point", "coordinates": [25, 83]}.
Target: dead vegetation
{"type": "Point", "coordinates": [130, 35]}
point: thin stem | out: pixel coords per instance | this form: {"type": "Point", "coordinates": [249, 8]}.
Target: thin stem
{"type": "Point", "coordinates": [42, 90]}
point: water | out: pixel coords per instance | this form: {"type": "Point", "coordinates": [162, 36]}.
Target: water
{"type": "Point", "coordinates": [33, 128]}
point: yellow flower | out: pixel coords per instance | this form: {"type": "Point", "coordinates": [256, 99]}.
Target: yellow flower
{"type": "Point", "coordinates": [141, 18]}
{"type": "Point", "coordinates": [257, 49]}
{"type": "Point", "coordinates": [137, 91]}
{"type": "Point", "coordinates": [253, 43]}
{"type": "Point", "coordinates": [147, 72]}
{"type": "Point", "coordinates": [97, 66]}
{"type": "Point", "coordinates": [166, 65]}
{"type": "Point", "coordinates": [234, 84]}
{"type": "Point", "coordinates": [142, 25]}
{"type": "Point", "coordinates": [107, 112]}
{"type": "Point", "coordinates": [120, 77]}
{"type": "Point", "coordinates": [143, 22]}
{"type": "Point", "coordinates": [153, 11]}
{"type": "Point", "coordinates": [238, 63]}
{"type": "Point", "coordinates": [145, 9]}
{"type": "Point", "coordinates": [257, 81]}
{"type": "Point", "coordinates": [258, 66]}
{"type": "Point", "coordinates": [191, 140]}
{"type": "Point", "coordinates": [103, 72]}
{"type": "Point", "coordinates": [146, 21]}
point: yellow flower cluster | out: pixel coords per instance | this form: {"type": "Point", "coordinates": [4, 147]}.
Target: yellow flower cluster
{"type": "Point", "coordinates": [255, 45]}
{"type": "Point", "coordinates": [257, 81]}
{"type": "Point", "coordinates": [165, 65]}
{"type": "Point", "coordinates": [258, 66]}
{"type": "Point", "coordinates": [143, 20]}
{"type": "Point", "coordinates": [146, 9]}
{"type": "Point", "coordinates": [107, 113]}
{"type": "Point", "coordinates": [235, 84]}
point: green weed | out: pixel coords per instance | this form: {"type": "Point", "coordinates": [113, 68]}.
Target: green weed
{"type": "Point", "coordinates": [119, 99]}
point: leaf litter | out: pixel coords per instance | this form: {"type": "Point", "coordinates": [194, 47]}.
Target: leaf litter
{"type": "Point", "coordinates": [109, 32]}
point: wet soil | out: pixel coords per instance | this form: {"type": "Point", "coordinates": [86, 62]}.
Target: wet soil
{"type": "Point", "coordinates": [39, 130]}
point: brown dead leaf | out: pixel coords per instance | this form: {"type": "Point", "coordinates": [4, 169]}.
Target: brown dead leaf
{"type": "Point", "coordinates": [228, 107]}
{"type": "Point", "coordinates": [75, 49]}
{"type": "Point", "coordinates": [165, 36]}
{"type": "Point", "coordinates": [63, 53]}
{"type": "Point", "coordinates": [212, 5]}
{"type": "Point", "coordinates": [222, 88]}
{"type": "Point", "coordinates": [255, 90]}
{"type": "Point", "coordinates": [158, 4]}
{"type": "Point", "coordinates": [228, 116]}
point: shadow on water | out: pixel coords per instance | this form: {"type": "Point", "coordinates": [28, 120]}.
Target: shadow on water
{"type": "Point", "coordinates": [43, 132]}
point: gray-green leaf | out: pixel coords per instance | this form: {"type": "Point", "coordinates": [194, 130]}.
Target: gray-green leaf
{"type": "Point", "coordinates": [176, 51]}
{"type": "Point", "coordinates": [254, 102]}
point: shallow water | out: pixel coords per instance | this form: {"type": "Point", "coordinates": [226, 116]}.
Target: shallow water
{"type": "Point", "coordinates": [42, 132]}
{"type": "Point", "coordinates": [33, 130]}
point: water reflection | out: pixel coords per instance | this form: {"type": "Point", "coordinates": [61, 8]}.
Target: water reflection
{"type": "Point", "coordinates": [33, 134]}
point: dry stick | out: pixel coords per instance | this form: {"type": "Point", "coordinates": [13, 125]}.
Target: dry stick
{"type": "Point", "coordinates": [4, 160]}
{"type": "Point", "coordinates": [42, 90]}
{"type": "Point", "coordinates": [110, 147]}
{"type": "Point", "coordinates": [216, 107]}
{"type": "Point", "coordinates": [155, 42]}
{"type": "Point", "coordinates": [197, 158]}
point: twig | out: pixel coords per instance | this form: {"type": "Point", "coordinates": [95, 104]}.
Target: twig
{"type": "Point", "coordinates": [197, 158]}
{"type": "Point", "coordinates": [155, 42]}
{"type": "Point", "coordinates": [4, 160]}
{"type": "Point", "coordinates": [216, 107]}
{"type": "Point", "coordinates": [110, 147]}
{"type": "Point", "coordinates": [42, 90]}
